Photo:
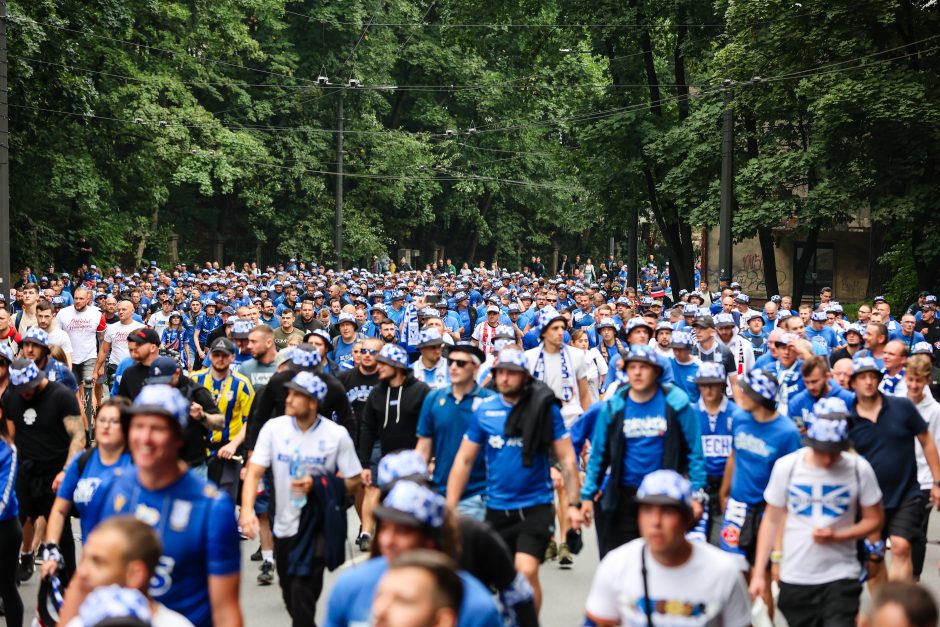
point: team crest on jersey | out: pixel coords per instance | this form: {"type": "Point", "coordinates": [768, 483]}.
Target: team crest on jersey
{"type": "Point", "coordinates": [210, 490]}
{"type": "Point", "coordinates": [179, 515]}
{"type": "Point", "coordinates": [442, 401]}
{"type": "Point", "coordinates": [147, 515]}
{"type": "Point", "coordinates": [29, 416]}
{"type": "Point", "coordinates": [119, 502]}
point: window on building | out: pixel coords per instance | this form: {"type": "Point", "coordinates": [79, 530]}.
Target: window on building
{"type": "Point", "coordinates": [820, 272]}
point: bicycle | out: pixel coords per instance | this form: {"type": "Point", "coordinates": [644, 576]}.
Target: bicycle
{"type": "Point", "coordinates": [88, 388]}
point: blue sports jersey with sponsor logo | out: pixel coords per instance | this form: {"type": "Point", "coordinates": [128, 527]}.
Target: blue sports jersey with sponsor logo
{"type": "Point", "coordinates": [756, 446]}
{"type": "Point", "coordinates": [196, 525]}
{"type": "Point", "coordinates": [509, 483]}
{"type": "Point", "coordinates": [644, 428]}
{"type": "Point", "coordinates": [716, 435]}
{"type": "Point", "coordinates": [79, 486]}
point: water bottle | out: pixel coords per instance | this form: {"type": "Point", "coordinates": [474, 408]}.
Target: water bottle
{"type": "Point", "coordinates": [297, 471]}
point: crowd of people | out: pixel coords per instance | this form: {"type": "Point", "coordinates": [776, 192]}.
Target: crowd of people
{"type": "Point", "coordinates": [479, 421]}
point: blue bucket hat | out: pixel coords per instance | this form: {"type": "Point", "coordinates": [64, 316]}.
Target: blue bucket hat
{"type": "Point", "coordinates": [666, 487]}
{"type": "Point", "coordinates": [408, 503]}
{"type": "Point", "coordinates": [393, 355]}
{"type": "Point", "coordinates": [760, 386]}
{"type": "Point", "coordinates": [25, 375]}
{"type": "Point", "coordinates": [308, 384]}
{"type": "Point", "coordinates": [511, 359]}
{"type": "Point", "coordinates": [406, 463]}
{"type": "Point", "coordinates": [304, 357]}
{"type": "Point", "coordinates": [828, 430]}
{"type": "Point", "coordinates": [163, 400]}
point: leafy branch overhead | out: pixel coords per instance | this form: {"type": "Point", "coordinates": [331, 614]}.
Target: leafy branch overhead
{"type": "Point", "coordinates": [486, 129]}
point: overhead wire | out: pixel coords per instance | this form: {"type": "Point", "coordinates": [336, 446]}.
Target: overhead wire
{"type": "Point", "coordinates": [586, 116]}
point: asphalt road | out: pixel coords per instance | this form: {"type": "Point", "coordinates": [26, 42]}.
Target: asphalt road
{"type": "Point", "coordinates": [564, 590]}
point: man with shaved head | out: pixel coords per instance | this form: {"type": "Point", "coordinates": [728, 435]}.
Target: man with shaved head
{"type": "Point", "coordinates": [895, 357]}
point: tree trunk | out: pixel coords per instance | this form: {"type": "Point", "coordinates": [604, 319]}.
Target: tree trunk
{"type": "Point", "coordinates": [682, 90]}
{"type": "Point", "coordinates": [649, 65]}
{"type": "Point", "coordinates": [764, 234]}
{"type": "Point", "coordinates": [144, 237]}
{"type": "Point", "coordinates": [802, 264]}
{"type": "Point", "coordinates": [475, 236]}
{"type": "Point", "coordinates": [680, 272]}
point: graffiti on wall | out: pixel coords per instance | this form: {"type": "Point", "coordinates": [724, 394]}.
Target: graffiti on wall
{"type": "Point", "coordinates": [750, 275]}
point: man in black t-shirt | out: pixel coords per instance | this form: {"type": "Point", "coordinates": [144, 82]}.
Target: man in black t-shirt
{"type": "Point", "coordinates": [883, 429]}
{"type": "Point", "coordinates": [929, 326]}
{"type": "Point", "coordinates": [49, 433]}
{"type": "Point", "coordinates": [359, 382]}
{"type": "Point", "coordinates": [144, 347]}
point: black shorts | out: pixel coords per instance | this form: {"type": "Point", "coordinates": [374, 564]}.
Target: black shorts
{"type": "Point", "coordinates": [34, 494]}
{"type": "Point", "coordinates": [904, 521]}
{"type": "Point", "coordinates": [526, 530]}
{"type": "Point", "coordinates": [833, 604]}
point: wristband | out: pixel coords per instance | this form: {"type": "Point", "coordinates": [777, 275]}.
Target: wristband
{"type": "Point", "coordinates": [776, 557]}
{"type": "Point", "coordinates": [575, 505]}
{"type": "Point", "coordinates": [51, 553]}
{"type": "Point", "coordinates": [875, 550]}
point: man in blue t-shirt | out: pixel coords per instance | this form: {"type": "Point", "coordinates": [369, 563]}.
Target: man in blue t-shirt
{"type": "Point", "coordinates": [819, 384]}
{"type": "Point", "coordinates": [760, 436]}
{"type": "Point", "coordinates": [198, 573]}
{"type": "Point", "coordinates": [715, 412]}
{"type": "Point", "coordinates": [883, 429]}
{"type": "Point", "coordinates": [411, 516]}
{"type": "Point", "coordinates": [516, 431]}
{"type": "Point", "coordinates": [818, 333]}
{"type": "Point", "coordinates": [646, 425]}
{"type": "Point", "coordinates": [445, 416]}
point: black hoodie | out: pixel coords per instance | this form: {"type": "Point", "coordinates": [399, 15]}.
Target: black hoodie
{"type": "Point", "coordinates": [391, 416]}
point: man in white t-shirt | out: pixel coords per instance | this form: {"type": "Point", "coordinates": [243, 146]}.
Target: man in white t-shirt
{"type": "Point", "coordinates": [662, 578]}
{"type": "Point", "coordinates": [45, 320]}
{"type": "Point", "coordinates": [113, 577]}
{"type": "Point", "coordinates": [114, 347]}
{"type": "Point", "coordinates": [82, 321]}
{"type": "Point", "coordinates": [816, 494]}
{"type": "Point", "coordinates": [559, 366]}
{"type": "Point", "coordinates": [161, 318]}
{"type": "Point", "coordinates": [485, 331]}
{"type": "Point", "coordinates": [324, 449]}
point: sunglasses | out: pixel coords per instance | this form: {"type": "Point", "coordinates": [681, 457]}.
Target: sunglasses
{"type": "Point", "coordinates": [553, 300]}
{"type": "Point", "coordinates": [369, 351]}
{"type": "Point", "coordinates": [460, 363]}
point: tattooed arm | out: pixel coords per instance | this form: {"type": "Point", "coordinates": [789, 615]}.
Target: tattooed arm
{"type": "Point", "coordinates": [76, 430]}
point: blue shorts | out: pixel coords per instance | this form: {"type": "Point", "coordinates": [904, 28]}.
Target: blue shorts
{"type": "Point", "coordinates": [262, 500]}
{"type": "Point", "coordinates": [374, 461]}
{"type": "Point", "coordinates": [473, 507]}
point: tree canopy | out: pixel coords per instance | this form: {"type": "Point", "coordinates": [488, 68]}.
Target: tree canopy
{"type": "Point", "coordinates": [486, 128]}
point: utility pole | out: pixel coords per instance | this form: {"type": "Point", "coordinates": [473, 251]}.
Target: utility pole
{"type": "Point", "coordinates": [4, 158]}
{"type": "Point", "coordinates": [727, 187]}
{"type": "Point", "coordinates": [633, 269]}
{"type": "Point", "coordinates": [339, 180]}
